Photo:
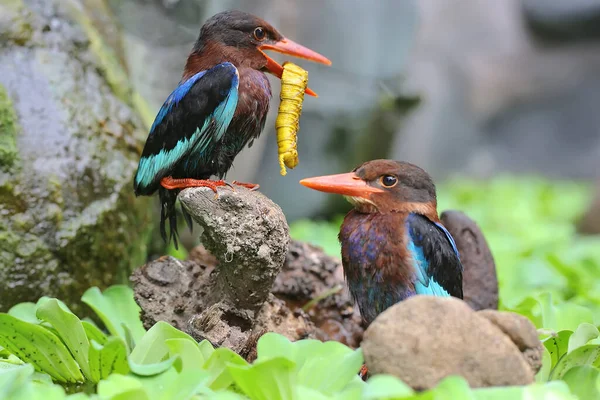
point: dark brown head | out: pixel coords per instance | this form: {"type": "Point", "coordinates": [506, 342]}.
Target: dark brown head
{"type": "Point", "coordinates": [241, 39]}
{"type": "Point", "coordinates": [382, 186]}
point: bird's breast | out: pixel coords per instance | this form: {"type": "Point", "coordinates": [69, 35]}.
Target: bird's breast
{"type": "Point", "coordinates": [377, 264]}
{"type": "Point", "coordinates": [254, 93]}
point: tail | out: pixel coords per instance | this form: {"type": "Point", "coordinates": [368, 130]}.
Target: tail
{"type": "Point", "coordinates": [168, 212]}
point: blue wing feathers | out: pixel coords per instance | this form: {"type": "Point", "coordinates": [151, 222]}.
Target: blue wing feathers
{"type": "Point", "coordinates": [438, 270]}
{"type": "Point", "coordinates": [206, 102]}
{"type": "Point", "coordinates": [449, 236]}
{"type": "Point", "coordinates": [175, 97]}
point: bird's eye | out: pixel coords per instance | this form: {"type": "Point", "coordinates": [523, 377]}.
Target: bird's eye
{"type": "Point", "coordinates": [388, 181]}
{"type": "Point", "coordinates": [259, 33]}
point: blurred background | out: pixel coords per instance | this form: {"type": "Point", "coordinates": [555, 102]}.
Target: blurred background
{"type": "Point", "coordinates": [506, 86]}
{"type": "Point", "coordinates": [471, 90]}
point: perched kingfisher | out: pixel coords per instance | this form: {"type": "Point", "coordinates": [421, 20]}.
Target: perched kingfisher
{"type": "Point", "coordinates": [219, 106]}
{"type": "Point", "coordinates": [393, 244]}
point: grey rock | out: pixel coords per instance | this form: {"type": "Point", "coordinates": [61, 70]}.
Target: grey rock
{"type": "Point", "coordinates": [248, 235]}
{"type": "Point", "coordinates": [424, 339]}
{"type": "Point", "coordinates": [522, 333]}
{"type": "Point", "coordinates": [70, 146]}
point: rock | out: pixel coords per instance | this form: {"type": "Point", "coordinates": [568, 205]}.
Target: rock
{"type": "Point", "coordinates": [308, 275]}
{"type": "Point", "coordinates": [248, 234]}
{"type": "Point", "coordinates": [480, 282]}
{"type": "Point", "coordinates": [438, 337]}
{"type": "Point", "coordinates": [224, 295]}
{"type": "Point", "coordinates": [183, 293]}
{"type": "Point", "coordinates": [70, 143]}
{"type": "Point", "coordinates": [522, 333]}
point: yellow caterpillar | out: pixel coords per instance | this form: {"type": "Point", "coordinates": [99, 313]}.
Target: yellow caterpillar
{"type": "Point", "coordinates": [293, 84]}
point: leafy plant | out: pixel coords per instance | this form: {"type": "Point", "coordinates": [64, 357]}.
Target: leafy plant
{"type": "Point", "coordinates": [546, 272]}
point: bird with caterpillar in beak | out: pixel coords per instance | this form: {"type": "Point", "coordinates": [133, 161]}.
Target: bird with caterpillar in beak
{"type": "Point", "coordinates": [393, 243]}
{"type": "Point", "coordinates": [219, 107]}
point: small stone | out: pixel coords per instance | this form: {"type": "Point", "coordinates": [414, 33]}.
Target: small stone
{"type": "Point", "coordinates": [522, 333]}
{"type": "Point", "coordinates": [164, 270]}
{"type": "Point", "coordinates": [425, 339]}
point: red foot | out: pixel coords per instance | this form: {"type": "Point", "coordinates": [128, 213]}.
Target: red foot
{"type": "Point", "coordinates": [364, 371]}
{"type": "Point", "coordinates": [251, 186]}
{"type": "Point", "coordinates": [170, 183]}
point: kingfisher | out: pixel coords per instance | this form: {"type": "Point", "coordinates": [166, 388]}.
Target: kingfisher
{"type": "Point", "coordinates": [219, 106]}
{"type": "Point", "coordinates": [393, 243]}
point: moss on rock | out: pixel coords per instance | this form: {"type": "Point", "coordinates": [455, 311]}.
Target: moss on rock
{"type": "Point", "coordinates": [8, 132]}
{"type": "Point", "coordinates": [69, 145]}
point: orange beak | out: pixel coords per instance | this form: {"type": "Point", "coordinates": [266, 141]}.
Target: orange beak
{"type": "Point", "coordinates": [347, 184]}
{"type": "Point", "coordinates": [291, 48]}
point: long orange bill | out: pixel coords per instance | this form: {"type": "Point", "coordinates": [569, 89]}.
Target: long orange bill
{"type": "Point", "coordinates": [289, 47]}
{"type": "Point", "coordinates": [347, 184]}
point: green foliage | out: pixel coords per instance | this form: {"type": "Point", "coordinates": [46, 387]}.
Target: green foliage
{"type": "Point", "coordinates": [545, 270]}
{"type": "Point", "coordinates": [47, 352]}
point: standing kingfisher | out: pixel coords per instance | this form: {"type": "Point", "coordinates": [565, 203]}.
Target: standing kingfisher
{"type": "Point", "coordinates": [393, 244]}
{"type": "Point", "coordinates": [219, 106]}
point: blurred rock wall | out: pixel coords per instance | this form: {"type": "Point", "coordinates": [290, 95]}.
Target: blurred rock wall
{"type": "Point", "coordinates": [505, 86]}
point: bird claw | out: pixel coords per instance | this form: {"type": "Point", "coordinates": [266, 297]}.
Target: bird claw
{"type": "Point", "coordinates": [251, 186]}
{"type": "Point", "coordinates": [171, 183]}
{"type": "Point", "coordinates": [364, 372]}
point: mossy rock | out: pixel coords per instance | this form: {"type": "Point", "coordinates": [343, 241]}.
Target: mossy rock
{"type": "Point", "coordinates": [69, 145]}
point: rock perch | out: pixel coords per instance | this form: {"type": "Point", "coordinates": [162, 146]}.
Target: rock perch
{"type": "Point", "coordinates": [248, 234]}
{"type": "Point", "coordinates": [224, 294]}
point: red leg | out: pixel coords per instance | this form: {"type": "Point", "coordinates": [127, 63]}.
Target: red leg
{"type": "Point", "coordinates": [170, 183]}
{"type": "Point", "coordinates": [251, 186]}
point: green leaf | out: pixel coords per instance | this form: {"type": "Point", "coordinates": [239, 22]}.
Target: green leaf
{"type": "Point", "coordinates": [381, 387]}
{"type": "Point", "coordinates": [271, 379]}
{"type": "Point", "coordinates": [206, 348]}
{"type": "Point", "coordinates": [153, 368]}
{"type": "Point", "coordinates": [25, 312]}
{"type": "Point", "coordinates": [151, 348]}
{"type": "Point", "coordinates": [94, 333]}
{"type": "Point", "coordinates": [584, 333]}
{"type": "Point", "coordinates": [188, 351]}
{"type": "Point", "coordinates": [186, 384]}
{"type": "Point", "coordinates": [558, 346]}
{"type": "Point", "coordinates": [38, 346]}
{"type": "Point", "coordinates": [453, 387]}
{"type": "Point", "coordinates": [584, 355]}
{"type": "Point", "coordinates": [216, 365]}
{"type": "Point", "coordinates": [119, 387]}
{"type": "Point", "coordinates": [584, 381]}
{"type": "Point", "coordinates": [70, 331]}
{"type": "Point", "coordinates": [327, 367]}
{"type": "Point", "coordinates": [108, 358]}
{"type": "Point", "coordinates": [13, 377]}
{"type": "Point", "coordinates": [118, 311]}
{"type": "Point", "coordinates": [273, 345]}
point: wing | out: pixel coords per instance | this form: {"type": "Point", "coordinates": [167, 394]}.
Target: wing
{"type": "Point", "coordinates": [438, 266]}
{"type": "Point", "coordinates": [194, 117]}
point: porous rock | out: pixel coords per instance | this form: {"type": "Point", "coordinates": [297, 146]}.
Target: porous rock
{"type": "Point", "coordinates": [224, 295]}
{"type": "Point", "coordinates": [248, 234]}
{"type": "Point", "coordinates": [480, 282]}
{"type": "Point", "coordinates": [424, 339]}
